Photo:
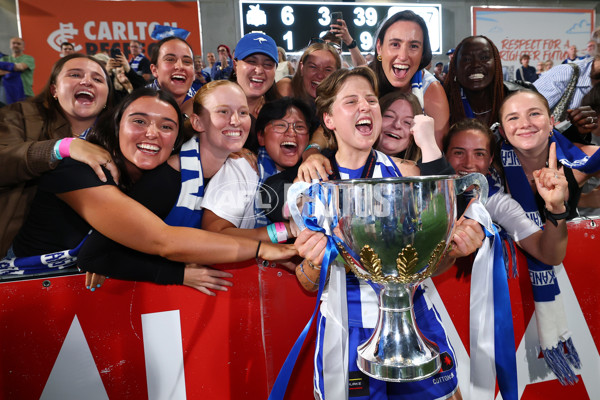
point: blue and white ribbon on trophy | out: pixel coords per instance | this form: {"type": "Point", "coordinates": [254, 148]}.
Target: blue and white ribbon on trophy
{"type": "Point", "coordinates": [317, 215]}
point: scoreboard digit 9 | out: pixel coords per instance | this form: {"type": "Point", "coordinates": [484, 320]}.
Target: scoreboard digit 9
{"type": "Point", "coordinates": [293, 23]}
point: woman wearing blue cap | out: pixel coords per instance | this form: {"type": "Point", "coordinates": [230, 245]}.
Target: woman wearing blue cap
{"type": "Point", "coordinates": [254, 67]}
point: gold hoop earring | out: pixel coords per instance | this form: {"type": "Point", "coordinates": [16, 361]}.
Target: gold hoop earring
{"type": "Point", "coordinates": [379, 57]}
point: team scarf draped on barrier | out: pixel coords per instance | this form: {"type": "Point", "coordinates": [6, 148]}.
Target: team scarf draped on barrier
{"type": "Point", "coordinates": [491, 329]}
{"type": "Point", "coordinates": [41, 264]}
{"type": "Point", "coordinates": [552, 326]}
{"type": "Point", "coordinates": [188, 210]}
{"type": "Point", "coordinates": [266, 169]}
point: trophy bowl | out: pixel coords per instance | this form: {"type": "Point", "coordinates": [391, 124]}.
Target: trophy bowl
{"type": "Point", "coordinates": [394, 232]}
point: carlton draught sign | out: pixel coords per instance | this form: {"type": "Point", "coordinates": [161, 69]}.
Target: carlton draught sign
{"type": "Point", "coordinates": [98, 26]}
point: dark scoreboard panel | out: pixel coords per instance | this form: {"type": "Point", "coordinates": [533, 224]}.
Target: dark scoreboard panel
{"type": "Point", "coordinates": [293, 24]}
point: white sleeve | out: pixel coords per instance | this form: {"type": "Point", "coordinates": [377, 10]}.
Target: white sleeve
{"type": "Point", "coordinates": [230, 193]}
{"type": "Point", "coordinates": [553, 83]}
{"type": "Point", "coordinates": [509, 214]}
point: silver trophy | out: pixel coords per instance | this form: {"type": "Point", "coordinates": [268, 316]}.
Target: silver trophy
{"type": "Point", "coordinates": [394, 233]}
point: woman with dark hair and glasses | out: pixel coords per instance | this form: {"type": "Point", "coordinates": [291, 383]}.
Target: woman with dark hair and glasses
{"type": "Point", "coordinates": [402, 54]}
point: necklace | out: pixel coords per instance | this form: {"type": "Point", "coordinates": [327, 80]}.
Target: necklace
{"type": "Point", "coordinates": [482, 113]}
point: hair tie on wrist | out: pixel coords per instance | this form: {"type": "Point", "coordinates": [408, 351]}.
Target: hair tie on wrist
{"type": "Point", "coordinates": [258, 248]}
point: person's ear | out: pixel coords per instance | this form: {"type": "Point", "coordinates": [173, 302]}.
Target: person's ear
{"type": "Point", "coordinates": [196, 122]}
{"type": "Point", "coordinates": [328, 120]}
{"type": "Point", "coordinates": [154, 70]}
{"type": "Point", "coordinates": [261, 138]}
{"type": "Point", "coordinates": [378, 48]}
{"type": "Point", "coordinates": [501, 130]}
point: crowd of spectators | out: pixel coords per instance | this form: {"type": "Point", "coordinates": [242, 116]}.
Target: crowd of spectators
{"type": "Point", "coordinates": [166, 158]}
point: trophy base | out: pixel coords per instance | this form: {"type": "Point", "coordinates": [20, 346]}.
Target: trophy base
{"type": "Point", "coordinates": [399, 373]}
{"type": "Point", "coordinates": [397, 351]}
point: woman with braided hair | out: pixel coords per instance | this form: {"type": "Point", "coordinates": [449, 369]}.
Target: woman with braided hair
{"type": "Point", "coordinates": [474, 83]}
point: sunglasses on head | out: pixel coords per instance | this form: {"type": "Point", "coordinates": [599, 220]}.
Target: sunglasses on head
{"type": "Point", "coordinates": [336, 46]}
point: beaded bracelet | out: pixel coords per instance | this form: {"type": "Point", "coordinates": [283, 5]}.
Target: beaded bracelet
{"type": "Point", "coordinates": [306, 276]}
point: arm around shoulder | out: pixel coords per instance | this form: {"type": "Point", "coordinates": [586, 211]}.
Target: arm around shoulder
{"type": "Point", "coordinates": [24, 152]}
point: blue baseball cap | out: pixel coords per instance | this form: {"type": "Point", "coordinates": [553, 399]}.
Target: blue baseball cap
{"type": "Point", "coordinates": [256, 42]}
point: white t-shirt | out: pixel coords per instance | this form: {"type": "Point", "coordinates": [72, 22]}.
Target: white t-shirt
{"type": "Point", "coordinates": [230, 193]}
{"type": "Point", "coordinates": [508, 213]}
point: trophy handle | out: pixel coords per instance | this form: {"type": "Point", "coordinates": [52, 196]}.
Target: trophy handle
{"type": "Point", "coordinates": [294, 192]}
{"type": "Point", "coordinates": [474, 179]}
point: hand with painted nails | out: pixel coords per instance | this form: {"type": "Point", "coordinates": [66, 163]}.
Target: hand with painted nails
{"type": "Point", "coordinates": [94, 281]}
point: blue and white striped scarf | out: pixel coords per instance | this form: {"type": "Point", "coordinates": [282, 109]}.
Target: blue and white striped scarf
{"type": "Point", "coordinates": [554, 334]}
{"type": "Point", "coordinates": [41, 264]}
{"type": "Point", "coordinates": [416, 87]}
{"type": "Point", "coordinates": [266, 169]}
{"type": "Point", "coordinates": [188, 210]}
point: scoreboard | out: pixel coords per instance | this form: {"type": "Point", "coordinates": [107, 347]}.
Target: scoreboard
{"type": "Point", "coordinates": [293, 23]}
